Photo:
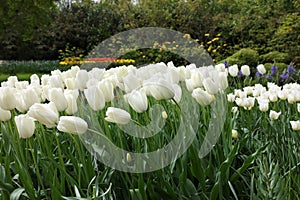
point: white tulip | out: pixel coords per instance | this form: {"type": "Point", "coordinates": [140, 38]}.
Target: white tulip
{"type": "Point", "coordinates": [117, 115]}
{"type": "Point", "coordinates": [131, 82]}
{"type": "Point", "coordinates": [95, 97]}
{"type": "Point", "coordinates": [70, 83]}
{"type": "Point", "coordinates": [298, 107]}
{"type": "Point", "coordinates": [264, 107]}
{"type": "Point", "coordinates": [107, 88]}
{"type": "Point", "coordinates": [295, 125]}
{"type": "Point", "coordinates": [21, 85]}
{"type": "Point", "coordinates": [72, 124]}
{"type": "Point", "coordinates": [57, 96]}
{"type": "Point", "coordinates": [234, 109]}
{"type": "Point", "coordinates": [210, 86]}
{"type": "Point", "coordinates": [274, 115]}
{"type": "Point", "coordinates": [82, 77]}
{"type": "Point", "coordinates": [222, 79]}
{"type": "Point", "coordinates": [25, 126]}
{"type": "Point", "coordinates": [283, 95]}
{"type": "Point", "coordinates": [46, 114]}
{"type": "Point", "coordinates": [12, 80]}
{"type": "Point", "coordinates": [137, 99]}
{"type": "Point", "coordinates": [55, 81]}
{"type": "Point", "coordinates": [160, 89]}
{"type": "Point", "coordinates": [8, 99]}
{"type": "Point", "coordinates": [5, 115]}
{"type": "Point", "coordinates": [202, 97]}
{"type": "Point", "coordinates": [230, 97]}
{"type": "Point", "coordinates": [233, 70]}
{"type": "Point", "coordinates": [273, 97]}
{"type": "Point", "coordinates": [245, 70]}
{"type": "Point", "coordinates": [72, 104]}
{"type": "Point", "coordinates": [164, 115]}
{"type": "Point", "coordinates": [30, 97]}
{"type": "Point", "coordinates": [261, 69]}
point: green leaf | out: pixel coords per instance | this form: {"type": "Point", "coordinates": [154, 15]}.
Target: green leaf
{"type": "Point", "coordinates": [215, 191]}
{"type": "Point", "coordinates": [15, 195]}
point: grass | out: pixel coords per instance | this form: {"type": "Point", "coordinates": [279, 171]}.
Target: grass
{"type": "Point", "coordinates": [21, 76]}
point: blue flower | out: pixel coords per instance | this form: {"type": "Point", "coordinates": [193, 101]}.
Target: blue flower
{"type": "Point", "coordinates": [240, 74]}
{"type": "Point", "coordinates": [284, 76]}
{"type": "Point", "coordinates": [274, 70]}
{"type": "Point", "coordinates": [269, 77]}
{"type": "Point", "coordinates": [259, 75]}
{"type": "Point", "coordinates": [226, 64]}
{"type": "Point", "coordinates": [290, 69]}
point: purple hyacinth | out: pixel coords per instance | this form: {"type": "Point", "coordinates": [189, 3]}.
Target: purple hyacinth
{"type": "Point", "coordinates": [269, 77]}
{"type": "Point", "coordinates": [290, 69]}
{"type": "Point", "coordinates": [240, 74]}
{"type": "Point", "coordinates": [259, 75]}
{"type": "Point", "coordinates": [226, 64]}
{"type": "Point", "coordinates": [274, 70]}
{"type": "Point", "coordinates": [284, 76]}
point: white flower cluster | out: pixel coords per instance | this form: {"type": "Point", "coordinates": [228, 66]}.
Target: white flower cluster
{"type": "Point", "coordinates": [247, 97]}
{"type": "Point", "coordinates": [44, 99]}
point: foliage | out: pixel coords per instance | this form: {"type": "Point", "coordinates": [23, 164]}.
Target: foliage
{"type": "Point", "coordinates": [244, 56]}
{"type": "Point", "coordinates": [275, 56]}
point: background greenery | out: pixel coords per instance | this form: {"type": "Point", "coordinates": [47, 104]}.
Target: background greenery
{"type": "Point", "coordinates": [39, 29]}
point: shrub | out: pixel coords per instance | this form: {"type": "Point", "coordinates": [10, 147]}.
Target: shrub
{"type": "Point", "coordinates": [244, 56]}
{"type": "Point", "coordinates": [275, 56]}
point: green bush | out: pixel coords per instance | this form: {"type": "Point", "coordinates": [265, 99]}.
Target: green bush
{"type": "Point", "coordinates": [280, 66]}
{"type": "Point", "coordinates": [30, 67]}
{"type": "Point", "coordinates": [275, 56]}
{"type": "Point", "coordinates": [244, 56]}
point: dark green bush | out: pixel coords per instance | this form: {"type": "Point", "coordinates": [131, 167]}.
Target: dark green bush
{"type": "Point", "coordinates": [244, 56]}
{"type": "Point", "coordinates": [275, 56]}
{"type": "Point", "coordinates": [280, 66]}
{"type": "Point", "coordinates": [30, 67]}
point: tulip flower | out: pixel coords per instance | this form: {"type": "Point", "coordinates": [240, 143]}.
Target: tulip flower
{"type": "Point", "coordinates": [25, 126]}
{"type": "Point", "coordinates": [222, 80]}
{"type": "Point", "coordinates": [95, 97]}
{"type": "Point", "coordinates": [107, 88]}
{"type": "Point", "coordinates": [46, 114]}
{"type": "Point", "coordinates": [8, 100]}
{"type": "Point", "coordinates": [57, 96]}
{"type": "Point", "coordinates": [137, 99]}
{"type": "Point", "coordinates": [82, 77]}
{"type": "Point", "coordinates": [72, 104]}
{"type": "Point", "coordinates": [264, 107]}
{"type": "Point", "coordinates": [117, 115]}
{"type": "Point", "coordinates": [233, 70]}
{"type": "Point", "coordinates": [159, 89]}
{"type": "Point", "coordinates": [295, 125]}
{"type": "Point", "coordinates": [5, 115]}
{"type": "Point", "coordinates": [234, 109]}
{"type": "Point", "coordinates": [274, 115]}
{"type": "Point", "coordinates": [261, 69]}
{"type": "Point", "coordinates": [298, 107]}
{"type": "Point", "coordinates": [164, 115]}
{"type": "Point", "coordinates": [202, 97]}
{"type": "Point", "coordinates": [230, 97]}
{"type": "Point", "coordinates": [72, 124]}
{"type": "Point", "coordinates": [210, 86]}
{"type": "Point", "coordinates": [245, 70]}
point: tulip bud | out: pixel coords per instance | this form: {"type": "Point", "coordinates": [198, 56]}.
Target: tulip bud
{"type": "Point", "coordinates": [298, 107]}
{"type": "Point", "coordinates": [234, 133]}
{"type": "Point", "coordinates": [95, 98]}
{"type": "Point", "coordinates": [274, 115]}
{"type": "Point", "coordinates": [25, 126]}
{"type": "Point", "coordinates": [245, 70]}
{"type": "Point", "coordinates": [164, 115]}
{"type": "Point", "coordinates": [234, 109]}
{"type": "Point", "coordinates": [261, 69]}
{"type": "Point", "coordinates": [295, 125]}
{"type": "Point", "coordinates": [117, 115]}
{"type": "Point", "coordinates": [137, 99]}
{"type": "Point", "coordinates": [72, 124]}
{"type": "Point", "coordinates": [5, 115]}
{"type": "Point", "coordinates": [202, 97]}
{"type": "Point", "coordinates": [233, 70]}
{"type": "Point", "coordinates": [57, 96]}
{"type": "Point", "coordinates": [46, 114]}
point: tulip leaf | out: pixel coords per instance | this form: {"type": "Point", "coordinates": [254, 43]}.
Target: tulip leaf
{"type": "Point", "coordinates": [16, 194]}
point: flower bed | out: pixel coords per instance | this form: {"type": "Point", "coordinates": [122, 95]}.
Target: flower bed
{"type": "Point", "coordinates": [61, 133]}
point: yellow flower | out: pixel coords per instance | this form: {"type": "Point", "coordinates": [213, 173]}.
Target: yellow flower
{"type": "Point", "coordinates": [234, 133]}
{"type": "Point", "coordinates": [214, 51]}
{"type": "Point", "coordinates": [209, 42]}
{"type": "Point", "coordinates": [206, 34]}
{"type": "Point", "coordinates": [187, 36]}
{"type": "Point", "coordinates": [219, 35]}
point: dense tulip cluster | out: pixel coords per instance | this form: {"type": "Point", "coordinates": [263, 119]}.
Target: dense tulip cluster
{"type": "Point", "coordinates": [45, 99]}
